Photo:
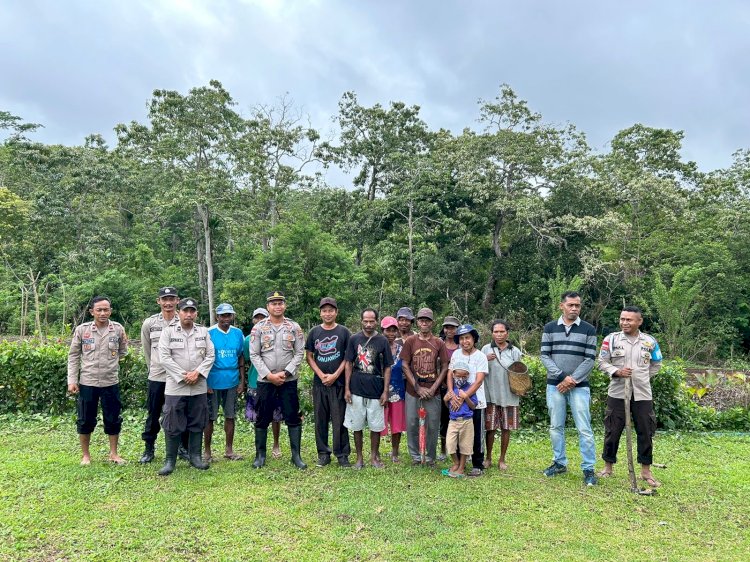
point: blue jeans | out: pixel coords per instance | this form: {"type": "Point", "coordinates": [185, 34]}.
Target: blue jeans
{"type": "Point", "coordinates": [579, 400]}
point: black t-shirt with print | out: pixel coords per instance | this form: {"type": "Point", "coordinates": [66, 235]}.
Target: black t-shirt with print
{"type": "Point", "coordinates": [328, 348]}
{"type": "Point", "coordinates": [369, 358]}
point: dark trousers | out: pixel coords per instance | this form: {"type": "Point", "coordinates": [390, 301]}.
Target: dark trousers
{"type": "Point", "coordinates": [154, 405]}
{"type": "Point", "coordinates": [644, 418]}
{"type": "Point", "coordinates": [329, 406]}
{"type": "Point", "coordinates": [477, 457]}
{"type": "Point", "coordinates": [269, 396]}
{"type": "Point", "coordinates": [444, 414]}
{"type": "Point", "coordinates": [181, 413]}
{"type": "Point", "coordinates": [88, 408]}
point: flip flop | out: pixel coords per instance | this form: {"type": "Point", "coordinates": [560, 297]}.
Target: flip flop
{"type": "Point", "coordinates": [475, 472]}
{"type": "Point", "coordinates": [456, 475]}
{"type": "Point", "coordinates": [651, 481]}
{"type": "Point", "coordinates": [276, 454]}
{"type": "Point", "coordinates": [603, 474]}
{"type": "Point", "coordinates": [377, 464]}
{"type": "Point", "coordinates": [234, 457]}
{"type": "Point", "coordinates": [118, 462]}
{"type": "Point", "coordinates": [395, 459]}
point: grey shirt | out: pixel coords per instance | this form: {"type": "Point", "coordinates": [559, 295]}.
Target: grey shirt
{"type": "Point", "coordinates": [95, 353]}
{"type": "Point", "coordinates": [496, 385]}
{"type": "Point", "coordinates": [277, 348]}
{"type": "Point", "coordinates": [181, 352]}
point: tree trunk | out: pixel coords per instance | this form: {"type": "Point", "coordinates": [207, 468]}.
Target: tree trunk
{"type": "Point", "coordinates": [199, 256]}
{"type": "Point", "coordinates": [37, 306]}
{"type": "Point", "coordinates": [24, 309]}
{"type": "Point", "coordinates": [489, 290]}
{"type": "Point", "coordinates": [203, 211]}
{"type": "Point", "coordinates": [411, 249]}
{"type": "Point", "coordinates": [496, 235]}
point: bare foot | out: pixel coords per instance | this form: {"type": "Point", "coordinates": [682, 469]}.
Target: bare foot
{"type": "Point", "coordinates": [453, 468]}
{"type": "Point", "coordinates": [395, 459]}
{"type": "Point", "coordinates": [650, 480]}
{"type": "Point", "coordinates": [604, 473]}
{"type": "Point", "coordinates": [501, 465]}
{"type": "Point", "coordinates": [276, 453]}
{"type": "Point", "coordinates": [486, 464]}
{"type": "Point", "coordinates": [359, 465]}
{"type": "Point", "coordinates": [117, 459]}
{"type": "Point", "coordinates": [377, 463]}
{"type": "Point", "coordinates": [85, 460]}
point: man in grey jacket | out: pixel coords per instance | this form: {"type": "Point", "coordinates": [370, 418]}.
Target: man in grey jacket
{"type": "Point", "coordinates": [187, 355]}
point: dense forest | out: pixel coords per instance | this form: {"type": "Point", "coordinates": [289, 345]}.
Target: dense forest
{"type": "Point", "coordinates": [495, 221]}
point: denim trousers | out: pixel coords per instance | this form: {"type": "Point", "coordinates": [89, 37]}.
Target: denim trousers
{"type": "Point", "coordinates": [579, 399]}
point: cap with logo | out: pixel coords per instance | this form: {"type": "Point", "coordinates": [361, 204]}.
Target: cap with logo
{"type": "Point", "coordinates": [328, 301]}
{"type": "Point", "coordinates": [225, 308]}
{"type": "Point", "coordinates": [167, 292]}
{"type": "Point", "coordinates": [425, 313]}
{"type": "Point", "coordinates": [187, 303]}
{"type": "Point", "coordinates": [275, 296]}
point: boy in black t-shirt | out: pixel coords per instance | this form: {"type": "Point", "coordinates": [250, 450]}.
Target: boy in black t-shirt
{"type": "Point", "coordinates": [368, 373]}
{"type": "Point", "coordinates": [326, 346]}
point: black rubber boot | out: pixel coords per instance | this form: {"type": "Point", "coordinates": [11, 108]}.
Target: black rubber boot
{"type": "Point", "coordinates": [148, 454]}
{"type": "Point", "coordinates": [261, 436]}
{"type": "Point", "coordinates": [295, 439]}
{"type": "Point", "coordinates": [170, 444]}
{"type": "Point", "coordinates": [194, 448]}
{"type": "Point", "coordinates": [182, 451]}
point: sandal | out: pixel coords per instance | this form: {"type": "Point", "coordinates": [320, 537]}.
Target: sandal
{"type": "Point", "coordinates": [475, 472]}
{"type": "Point", "coordinates": [233, 457]}
{"type": "Point", "coordinates": [603, 474]}
{"type": "Point", "coordinates": [455, 475]}
{"type": "Point", "coordinates": [651, 481]}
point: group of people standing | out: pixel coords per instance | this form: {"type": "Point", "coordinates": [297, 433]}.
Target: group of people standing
{"type": "Point", "coordinates": [442, 391]}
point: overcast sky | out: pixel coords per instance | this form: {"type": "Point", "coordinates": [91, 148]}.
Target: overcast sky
{"type": "Point", "coordinates": [81, 67]}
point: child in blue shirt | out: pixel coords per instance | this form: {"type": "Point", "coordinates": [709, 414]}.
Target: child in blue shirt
{"type": "Point", "coordinates": [460, 436]}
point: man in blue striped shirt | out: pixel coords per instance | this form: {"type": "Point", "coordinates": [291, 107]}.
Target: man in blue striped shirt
{"type": "Point", "coordinates": [568, 353]}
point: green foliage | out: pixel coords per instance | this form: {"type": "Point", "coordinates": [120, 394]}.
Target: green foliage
{"type": "Point", "coordinates": [33, 378]}
{"type": "Point", "coordinates": [558, 286]}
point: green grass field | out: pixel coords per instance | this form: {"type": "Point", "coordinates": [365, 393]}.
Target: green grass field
{"type": "Point", "coordinates": [53, 509]}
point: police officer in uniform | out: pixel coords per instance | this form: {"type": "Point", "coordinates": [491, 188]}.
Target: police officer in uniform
{"type": "Point", "coordinates": [95, 353]}
{"type": "Point", "coordinates": [187, 355]}
{"type": "Point", "coordinates": [157, 376]}
{"type": "Point", "coordinates": [277, 346]}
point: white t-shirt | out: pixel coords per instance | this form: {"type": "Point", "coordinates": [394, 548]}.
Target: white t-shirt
{"type": "Point", "coordinates": [477, 364]}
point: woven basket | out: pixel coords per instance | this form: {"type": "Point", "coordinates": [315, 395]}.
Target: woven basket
{"type": "Point", "coordinates": [519, 379]}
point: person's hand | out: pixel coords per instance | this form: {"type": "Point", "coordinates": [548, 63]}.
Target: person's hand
{"type": "Point", "coordinates": [209, 390]}
{"type": "Point", "coordinates": [624, 372]}
{"type": "Point", "coordinates": [73, 388]}
{"type": "Point", "coordinates": [191, 377]}
{"type": "Point", "coordinates": [383, 398]}
{"type": "Point", "coordinates": [348, 396]}
{"type": "Point", "coordinates": [568, 383]}
{"type": "Point", "coordinates": [456, 402]}
{"type": "Point", "coordinates": [462, 394]}
{"type": "Point", "coordinates": [424, 393]}
{"type": "Point", "coordinates": [240, 388]}
{"type": "Point", "coordinates": [276, 378]}
{"type": "Point", "coordinates": [491, 356]}
{"type": "Point", "coordinates": [327, 380]}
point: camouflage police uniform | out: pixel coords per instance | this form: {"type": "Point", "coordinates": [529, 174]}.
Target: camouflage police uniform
{"type": "Point", "coordinates": [643, 356]}
{"type": "Point", "coordinates": [273, 349]}
{"type": "Point", "coordinates": [95, 354]}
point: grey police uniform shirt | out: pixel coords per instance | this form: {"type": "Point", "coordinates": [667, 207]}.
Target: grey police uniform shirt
{"type": "Point", "coordinates": [95, 353]}
{"type": "Point", "coordinates": [642, 355]}
{"type": "Point", "coordinates": [180, 352]}
{"type": "Point", "coordinates": [150, 334]}
{"type": "Point", "coordinates": [277, 348]}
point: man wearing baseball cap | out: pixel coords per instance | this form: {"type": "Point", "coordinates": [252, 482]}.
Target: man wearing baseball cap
{"type": "Point", "coordinates": [277, 345]}
{"type": "Point", "coordinates": [325, 346]}
{"type": "Point", "coordinates": [425, 365]}
{"type": "Point", "coordinates": [187, 354]}
{"type": "Point", "coordinates": [157, 377]}
{"type": "Point", "coordinates": [224, 381]}
{"type": "Point", "coordinates": [405, 319]}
